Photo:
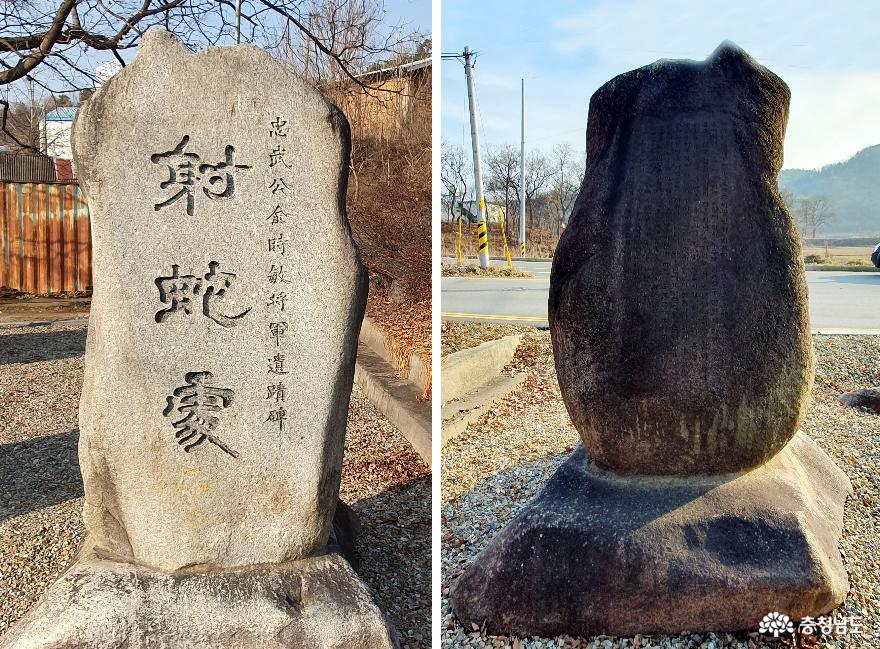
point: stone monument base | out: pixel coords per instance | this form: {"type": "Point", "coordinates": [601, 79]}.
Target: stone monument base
{"type": "Point", "coordinates": [97, 603]}
{"type": "Point", "coordinates": [595, 553]}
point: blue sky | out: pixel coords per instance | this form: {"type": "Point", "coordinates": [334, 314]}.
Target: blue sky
{"type": "Point", "coordinates": [828, 54]}
{"type": "Point", "coordinates": [415, 13]}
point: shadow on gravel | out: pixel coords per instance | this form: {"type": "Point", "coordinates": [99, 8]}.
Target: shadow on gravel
{"type": "Point", "coordinates": [42, 345]}
{"type": "Point", "coordinates": [38, 473]}
{"type": "Point", "coordinates": [395, 551]}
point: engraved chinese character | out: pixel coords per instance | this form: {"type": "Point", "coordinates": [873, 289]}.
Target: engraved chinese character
{"type": "Point", "coordinates": [276, 275]}
{"type": "Point", "coordinates": [276, 244]}
{"type": "Point", "coordinates": [278, 185]}
{"type": "Point", "coordinates": [215, 288]}
{"type": "Point", "coordinates": [277, 216]}
{"type": "Point", "coordinates": [197, 401]}
{"type": "Point", "coordinates": [279, 128]}
{"type": "Point", "coordinates": [277, 330]}
{"type": "Point", "coordinates": [279, 416]}
{"type": "Point", "coordinates": [278, 299]}
{"type": "Point", "coordinates": [276, 364]}
{"type": "Point", "coordinates": [184, 171]}
{"type": "Point", "coordinates": [276, 392]}
{"type": "Point", "coordinates": [221, 175]}
{"type": "Point", "coordinates": [179, 291]}
{"type": "Point", "coordinates": [277, 157]}
{"type": "Point", "coordinates": [181, 172]}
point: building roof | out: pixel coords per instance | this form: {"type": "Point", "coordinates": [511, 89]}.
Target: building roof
{"type": "Point", "coordinates": [64, 114]}
{"type": "Point", "coordinates": [18, 167]}
{"type": "Point", "coordinates": [397, 69]}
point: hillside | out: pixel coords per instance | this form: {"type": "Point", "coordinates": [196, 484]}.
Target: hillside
{"type": "Point", "coordinates": [852, 187]}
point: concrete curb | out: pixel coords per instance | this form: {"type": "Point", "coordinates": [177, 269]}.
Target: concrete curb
{"type": "Point", "coordinates": [464, 371]}
{"type": "Point", "coordinates": [396, 398]}
{"type": "Point", "coordinates": [848, 269]}
{"type": "Point", "coordinates": [374, 337]}
{"type": "Point", "coordinates": [459, 414]}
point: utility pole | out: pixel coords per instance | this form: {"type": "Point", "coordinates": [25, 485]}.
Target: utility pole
{"type": "Point", "coordinates": [522, 170]}
{"type": "Point", "coordinates": [482, 236]}
{"type": "Point", "coordinates": [238, 22]}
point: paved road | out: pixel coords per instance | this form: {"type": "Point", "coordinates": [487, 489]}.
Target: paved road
{"type": "Point", "coordinates": [840, 302]}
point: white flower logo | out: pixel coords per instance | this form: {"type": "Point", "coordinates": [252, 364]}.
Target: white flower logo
{"type": "Point", "coordinates": [776, 623]}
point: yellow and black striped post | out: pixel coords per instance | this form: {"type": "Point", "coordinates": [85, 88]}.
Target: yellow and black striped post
{"type": "Point", "coordinates": [458, 242]}
{"type": "Point", "coordinates": [483, 236]}
{"type": "Point", "coordinates": [504, 240]}
{"type": "Point", "coordinates": [522, 248]}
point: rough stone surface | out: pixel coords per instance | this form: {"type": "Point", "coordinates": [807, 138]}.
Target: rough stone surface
{"type": "Point", "coordinates": [678, 302]}
{"type": "Point", "coordinates": [204, 164]}
{"type": "Point", "coordinates": [869, 399]}
{"type": "Point", "coordinates": [317, 602]}
{"type": "Point", "coordinates": [597, 553]}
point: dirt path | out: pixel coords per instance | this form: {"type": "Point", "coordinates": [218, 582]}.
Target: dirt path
{"type": "Point", "coordinates": [16, 307]}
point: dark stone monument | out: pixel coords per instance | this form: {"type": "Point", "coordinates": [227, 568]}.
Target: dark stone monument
{"type": "Point", "coordinates": [678, 310]}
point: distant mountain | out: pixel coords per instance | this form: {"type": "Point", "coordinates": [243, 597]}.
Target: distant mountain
{"type": "Point", "coordinates": [852, 187]}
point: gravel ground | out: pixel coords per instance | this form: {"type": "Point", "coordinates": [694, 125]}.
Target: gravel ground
{"type": "Point", "coordinates": [501, 461]}
{"type": "Point", "coordinates": [383, 479]}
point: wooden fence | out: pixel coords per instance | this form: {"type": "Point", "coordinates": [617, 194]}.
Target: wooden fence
{"type": "Point", "coordinates": [45, 238]}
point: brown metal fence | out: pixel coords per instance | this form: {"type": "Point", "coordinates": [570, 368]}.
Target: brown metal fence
{"type": "Point", "coordinates": [45, 238]}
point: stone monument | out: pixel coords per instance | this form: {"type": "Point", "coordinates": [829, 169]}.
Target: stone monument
{"type": "Point", "coordinates": [227, 303]}
{"type": "Point", "coordinates": [678, 312]}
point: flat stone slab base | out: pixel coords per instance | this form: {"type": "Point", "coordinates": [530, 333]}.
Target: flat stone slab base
{"type": "Point", "coordinates": [318, 602]}
{"type": "Point", "coordinates": [595, 553]}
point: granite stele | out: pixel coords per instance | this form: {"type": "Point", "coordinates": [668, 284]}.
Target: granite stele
{"type": "Point", "coordinates": [678, 312]}
{"type": "Point", "coordinates": [227, 303]}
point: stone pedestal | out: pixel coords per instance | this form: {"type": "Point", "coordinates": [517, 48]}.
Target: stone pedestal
{"type": "Point", "coordinates": [312, 603]}
{"type": "Point", "coordinates": [596, 553]}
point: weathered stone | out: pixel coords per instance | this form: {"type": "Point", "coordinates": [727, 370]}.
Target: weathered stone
{"type": "Point", "coordinates": [316, 602]}
{"type": "Point", "coordinates": [678, 313]}
{"type": "Point", "coordinates": [678, 302]}
{"type": "Point", "coordinates": [868, 398]}
{"type": "Point", "coordinates": [228, 295]}
{"type": "Point", "coordinates": [266, 205]}
{"type": "Point", "coordinates": [597, 553]}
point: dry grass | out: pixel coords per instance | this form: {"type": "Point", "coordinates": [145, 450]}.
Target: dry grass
{"type": "Point", "coordinates": [472, 270]}
{"type": "Point", "coordinates": [841, 255]}
{"type": "Point", "coordinates": [539, 242]}
{"type": "Point", "coordinates": [389, 208]}
{"type": "Point", "coordinates": [407, 330]}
